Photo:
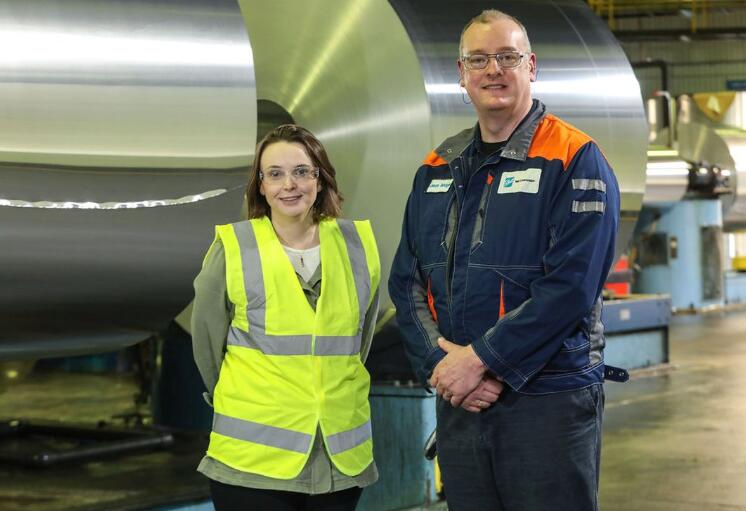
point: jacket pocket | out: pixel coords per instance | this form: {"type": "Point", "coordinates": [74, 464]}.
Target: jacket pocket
{"type": "Point", "coordinates": [434, 227]}
{"type": "Point", "coordinates": [493, 292]}
{"type": "Point", "coordinates": [515, 284]}
{"type": "Point", "coordinates": [573, 355]}
{"type": "Point", "coordinates": [433, 278]}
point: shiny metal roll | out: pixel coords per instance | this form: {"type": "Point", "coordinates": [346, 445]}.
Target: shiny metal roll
{"type": "Point", "coordinates": [127, 127]}
{"type": "Point", "coordinates": [583, 77]}
{"type": "Point", "coordinates": [734, 212]}
{"type": "Point", "coordinates": [378, 84]}
{"type": "Point", "coordinates": [701, 139]}
{"type": "Point", "coordinates": [732, 129]}
{"type": "Point", "coordinates": [347, 71]}
{"type": "Point", "coordinates": [667, 178]}
{"type": "Point", "coordinates": [131, 126]}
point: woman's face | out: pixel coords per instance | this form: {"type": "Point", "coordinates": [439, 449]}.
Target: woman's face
{"type": "Point", "coordinates": [288, 194]}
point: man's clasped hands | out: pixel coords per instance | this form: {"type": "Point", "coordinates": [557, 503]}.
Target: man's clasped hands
{"type": "Point", "coordinates": [462, 379]}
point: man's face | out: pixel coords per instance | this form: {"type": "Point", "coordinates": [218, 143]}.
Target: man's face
{"type": "Point", "coordinates": [494, 89]}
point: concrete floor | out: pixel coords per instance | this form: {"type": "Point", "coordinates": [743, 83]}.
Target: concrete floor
{"type": "Point", "coordinates": [151, 479]}
{"type": "Point", "coordinates": [677, 441]}
{"type": "Point", "coordinates": [673, 440]}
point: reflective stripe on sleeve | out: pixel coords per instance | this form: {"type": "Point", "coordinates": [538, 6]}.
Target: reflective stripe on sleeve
{"type": "Point", "coordinates": [346, 440]}
{"type": "Point", "coordinates": [261, 433]}
{"type": "Point", "coordinates": [589, 184]}
{"type": "Point", "coordinates": [585, 207]}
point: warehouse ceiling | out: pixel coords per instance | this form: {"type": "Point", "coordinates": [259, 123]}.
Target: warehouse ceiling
{"type": "Point", "coordinates": [670, 20]}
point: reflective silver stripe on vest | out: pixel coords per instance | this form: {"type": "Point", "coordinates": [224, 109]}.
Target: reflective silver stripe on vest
{"type": "Point", "coordinates": [338, 344]}
{"type": "Point", "coordinates": [253, 279]}
{"type": "Point", "coordinates": [270, 344]}
{"type": "Point", "coordinates": [589, 184]}
{"type": "Point", "coordinates": [359, 264]}
{"type": "Point", "coordinates": [346, 440]}
{"type": "Point", "coordinates": [261, 433]}
{"type": "Point", "coordinates": [256, 299]}
{"type": "Point", "coordinates": [257, 338]}
{"type": "Point", "coordinates": [585, 207]}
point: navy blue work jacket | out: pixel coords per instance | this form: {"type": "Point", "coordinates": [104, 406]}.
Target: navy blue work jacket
{"type": "Point", "coordinates": [513, 260]}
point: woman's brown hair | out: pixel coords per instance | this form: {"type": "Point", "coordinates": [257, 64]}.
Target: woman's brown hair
{"type": "Point", "coordinates": [328, 201]}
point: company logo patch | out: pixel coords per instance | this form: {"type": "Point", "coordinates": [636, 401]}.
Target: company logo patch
{"type": "Point", "coordinates": [439, 185]}
{"type": "Point", "coordinates": [523, 181]}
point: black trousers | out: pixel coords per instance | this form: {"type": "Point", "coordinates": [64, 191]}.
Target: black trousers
{"type": "Point", "coordinates": [524, 453]}
{"type": "Point", "coordinates": [226, 497]}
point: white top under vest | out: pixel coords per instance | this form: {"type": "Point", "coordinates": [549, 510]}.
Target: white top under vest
{"type": "Point", "coordinates": [304, 261]}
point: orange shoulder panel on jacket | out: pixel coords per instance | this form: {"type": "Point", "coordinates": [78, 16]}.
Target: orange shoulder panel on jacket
{"type": "Point", "coordinates": [434, 160]}
{"type": "Point", "coordinates": [556, 140]}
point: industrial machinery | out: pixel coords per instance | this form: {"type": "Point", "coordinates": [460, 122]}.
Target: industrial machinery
{"type": "Point", "coordinates": [696, 191]}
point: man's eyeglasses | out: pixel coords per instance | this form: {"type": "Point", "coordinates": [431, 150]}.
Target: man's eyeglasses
{"type": "Point", "coordinates": [505, 59]}
{"type": "Point", "coordinates": [299, 173]}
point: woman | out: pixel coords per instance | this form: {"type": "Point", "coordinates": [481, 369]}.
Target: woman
{"type": "Point", "coordinates": [282, 360]}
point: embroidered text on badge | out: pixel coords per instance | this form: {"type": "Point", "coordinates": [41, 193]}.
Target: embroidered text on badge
{"type": "Point", "coordinates": [525, 181]}
{"type": "Point", "coordinates": [439, 185]}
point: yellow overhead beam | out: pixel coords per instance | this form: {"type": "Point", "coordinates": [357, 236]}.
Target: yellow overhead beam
{"type": "Point", "coordinates": [643, 6]}
{"type": "Point", "coordinates": [699, 9]}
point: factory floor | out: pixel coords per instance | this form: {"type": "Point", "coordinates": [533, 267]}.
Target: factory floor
{"type": "Point", "coordinates": [141, 480]}
{"type": "Point", "coordinates": [677, 441]}
{"type": "Point", "coordinates": [674, 439]}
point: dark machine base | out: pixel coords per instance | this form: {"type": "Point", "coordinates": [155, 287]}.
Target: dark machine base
{"type": "Point", "coordinates": [45, 444]}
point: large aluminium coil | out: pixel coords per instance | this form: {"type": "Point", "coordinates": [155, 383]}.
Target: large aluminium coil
{"type": "Point", "coordinates": [667, 175]}
{"type": "Point", "coordinates": [377, 82]}
{"type": "Point", "coordinates": [723, 143]}
{"type": "Point", "coordinates": [125, 133]}
{"type": "Point", "coordinates": [667, 178]}
{"type": "Point", "coordinates": [583, 77]}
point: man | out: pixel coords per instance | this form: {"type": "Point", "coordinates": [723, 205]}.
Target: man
{"type": "Point", "coordinates": [508, 237]}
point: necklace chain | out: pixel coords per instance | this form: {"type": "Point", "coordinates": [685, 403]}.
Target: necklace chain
{"type": "Point", "coordinates": [284, 241]}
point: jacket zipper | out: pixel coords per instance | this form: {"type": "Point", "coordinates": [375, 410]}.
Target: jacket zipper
{"type": "Point", "coordinates": [452, 242]}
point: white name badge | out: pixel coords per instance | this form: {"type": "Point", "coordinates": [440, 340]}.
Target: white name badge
{"type": "Point", "coordinates": [523, 181]}
{"type": "Point", "coordinates": [439, 185]}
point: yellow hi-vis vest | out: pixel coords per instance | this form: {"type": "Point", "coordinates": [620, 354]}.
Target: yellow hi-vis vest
{"type": "Point", "coordinates": [288, 369]}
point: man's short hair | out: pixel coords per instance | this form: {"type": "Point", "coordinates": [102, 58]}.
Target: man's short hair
{"type": "Point", "coordinates": [487, 16]}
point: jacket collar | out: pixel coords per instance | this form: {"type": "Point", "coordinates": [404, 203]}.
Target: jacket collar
{"type": "Point", "coordinates": [518, 143]}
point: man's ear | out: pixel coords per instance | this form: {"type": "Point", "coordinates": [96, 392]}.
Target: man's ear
{"type": "Point", "coordinates": [532, 66]}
